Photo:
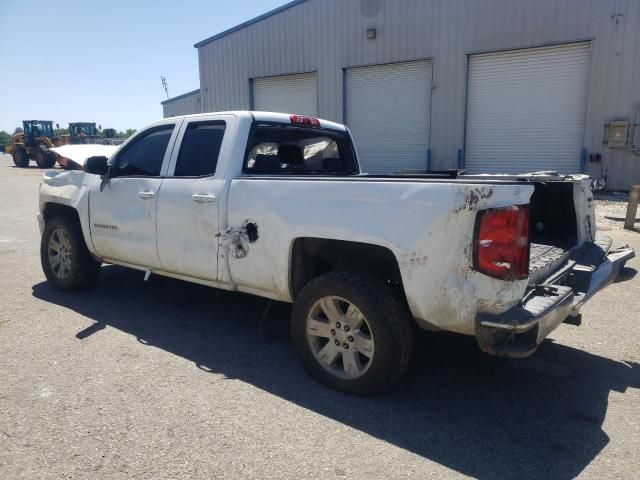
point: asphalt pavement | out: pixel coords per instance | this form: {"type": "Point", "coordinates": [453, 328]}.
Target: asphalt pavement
{"type": "Point", "coordinates": [165, 380]}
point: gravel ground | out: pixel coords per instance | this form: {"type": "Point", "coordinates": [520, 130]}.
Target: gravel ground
{"type": "Point", "coordinates": [611, 210]}
{"type": "Point", "coordinates": [164, 380]}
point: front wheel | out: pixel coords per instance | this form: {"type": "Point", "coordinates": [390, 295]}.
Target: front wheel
{"type": "Point", "coordinates": [65, 259]}
{"type": "Point", "coordinates": [352, 333]}
{"type": "Point", "coordinates": [20, 158]}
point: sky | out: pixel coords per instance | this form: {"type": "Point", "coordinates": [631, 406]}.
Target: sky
{"type": "Point", "coordinates": [88, 61]}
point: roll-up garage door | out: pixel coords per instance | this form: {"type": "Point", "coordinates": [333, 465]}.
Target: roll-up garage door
{"type": "Point", "coordinates": [388, 113]}
{"type": "Point", "coordinates": [526, 110]}
{"type": "Point", "coordinates": [287, 94]}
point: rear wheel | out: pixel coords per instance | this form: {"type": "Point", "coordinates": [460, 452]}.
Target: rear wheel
{"type": "Point", "coordinates": [352, 333]}
{"type": "Point", "coordinates": [45, 159]}
{"type": "Point", "coordinates": [20, 158]}
{"type": "Point", "coordinates": [64, 256]}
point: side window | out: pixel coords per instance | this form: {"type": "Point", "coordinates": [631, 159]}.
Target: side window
{"type": "Point", "coordinates": [144, 156]}
{"type": "Point", "coordinates": [200, 148]}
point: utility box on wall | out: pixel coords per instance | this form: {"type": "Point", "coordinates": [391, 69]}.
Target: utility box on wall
{"type": "Point", "coordinates": [617, 134]}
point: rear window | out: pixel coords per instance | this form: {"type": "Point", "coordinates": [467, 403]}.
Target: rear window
{"type": "Point", "coordinates": [277, 149]}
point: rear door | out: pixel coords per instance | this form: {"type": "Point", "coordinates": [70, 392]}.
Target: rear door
{"type": "Point", "coordinates": [123, 214]}
{"type": "Point", "coordinates": [189, 201]}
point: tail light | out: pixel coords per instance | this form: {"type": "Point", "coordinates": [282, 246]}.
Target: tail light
{"type": "Point", "coordinates": [502, 243]}
{"type": "Point", "coordinates": [303, 120]}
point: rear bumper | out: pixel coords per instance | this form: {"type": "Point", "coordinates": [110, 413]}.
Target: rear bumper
{"type": "Point", "coordinates": [519, 331]}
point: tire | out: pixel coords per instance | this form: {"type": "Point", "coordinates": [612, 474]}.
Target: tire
{"type": "Point", "coordinates": [379, 348]}
{"type": "Point", "coordinates": [20, 158]}
{"type": "Point", "coordinates": [77, 269]}
{"type": "Point", "coordinates": [45, 159]}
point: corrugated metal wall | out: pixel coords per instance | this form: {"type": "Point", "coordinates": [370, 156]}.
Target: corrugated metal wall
{"type": "Point", "coordinates": [183, 104]}
{"type": "Point", "coordinates": [328, 36]}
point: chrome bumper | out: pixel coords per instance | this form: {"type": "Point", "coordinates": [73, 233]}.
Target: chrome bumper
{"type": "Point", "coordinates": [519, 331]}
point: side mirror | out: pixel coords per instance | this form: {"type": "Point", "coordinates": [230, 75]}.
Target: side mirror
{"type": "Point", "coordinates": [96, 165]}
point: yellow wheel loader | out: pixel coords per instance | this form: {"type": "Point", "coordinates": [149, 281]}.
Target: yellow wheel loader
{"type": "Point", "coordinates": [34, 144]}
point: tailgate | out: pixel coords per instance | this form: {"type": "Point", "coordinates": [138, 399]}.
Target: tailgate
{"type": "Point", "coordinates": [556, 299]}
{"type": "Point", "coordinates": [561, 223]}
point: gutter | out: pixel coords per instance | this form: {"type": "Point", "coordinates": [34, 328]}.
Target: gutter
{"type": "Point", "coordinates": [188, 94]}
{"type": "Point", "coordinates": [249, 22]}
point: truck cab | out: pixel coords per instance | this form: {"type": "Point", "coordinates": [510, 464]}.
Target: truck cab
{"type": "Point", "coordinates": [82, 132]}
{"type": "Point", "coordinates": [35, 129]}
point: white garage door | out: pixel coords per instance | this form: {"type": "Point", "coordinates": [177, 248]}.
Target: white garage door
{"type": "Point", "coordinates": [387, 111]}
{"type": "Point", "coordinates": [526, 110]}
{"type": "Point", "coordinates": [287, 94]}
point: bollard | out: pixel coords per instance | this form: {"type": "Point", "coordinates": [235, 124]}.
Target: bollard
{"type": "Point", "coordinates": [632, 208]}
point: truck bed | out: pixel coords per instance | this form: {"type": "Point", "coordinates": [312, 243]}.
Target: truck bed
{"type": "Point", "coordinates": [543, 259]}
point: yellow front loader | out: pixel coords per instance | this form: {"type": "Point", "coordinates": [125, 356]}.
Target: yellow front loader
{"type": "Point", "coordinates": [34, 143]}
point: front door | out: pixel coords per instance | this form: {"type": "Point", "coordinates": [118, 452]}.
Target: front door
{"type": "Point", "coordinates": [188, 215]}
{"type": "Point", "coordinates": [123, 214]}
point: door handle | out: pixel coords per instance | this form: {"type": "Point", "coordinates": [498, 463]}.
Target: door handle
{"type": "Point", "coordinates": [203, 198]}
{"type": "Point", "coordinates": [146, 195]}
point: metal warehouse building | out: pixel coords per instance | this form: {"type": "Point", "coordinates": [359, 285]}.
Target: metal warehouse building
{"type": "Point", "coordinates": [484, 85]}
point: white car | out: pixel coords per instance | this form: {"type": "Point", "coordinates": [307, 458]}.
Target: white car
{"type": "Point", "coordinates": [276, 205]}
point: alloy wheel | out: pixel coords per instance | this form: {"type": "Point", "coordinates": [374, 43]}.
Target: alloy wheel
{"type": "Point", "coordinates": [340, 337]}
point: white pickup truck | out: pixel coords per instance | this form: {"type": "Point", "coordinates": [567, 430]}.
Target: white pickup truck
{"type": "Point", "coordinates": [276, 205]}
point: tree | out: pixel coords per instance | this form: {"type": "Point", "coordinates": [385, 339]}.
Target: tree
{"type": "Point", "coordinates": [5, 138]}
{"type": "Point", "coordinates": [60, 131]}
{"type": "Point", "coordinates": [127, 133]}
{"type": "Point", "coordinates": [18, 130]}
